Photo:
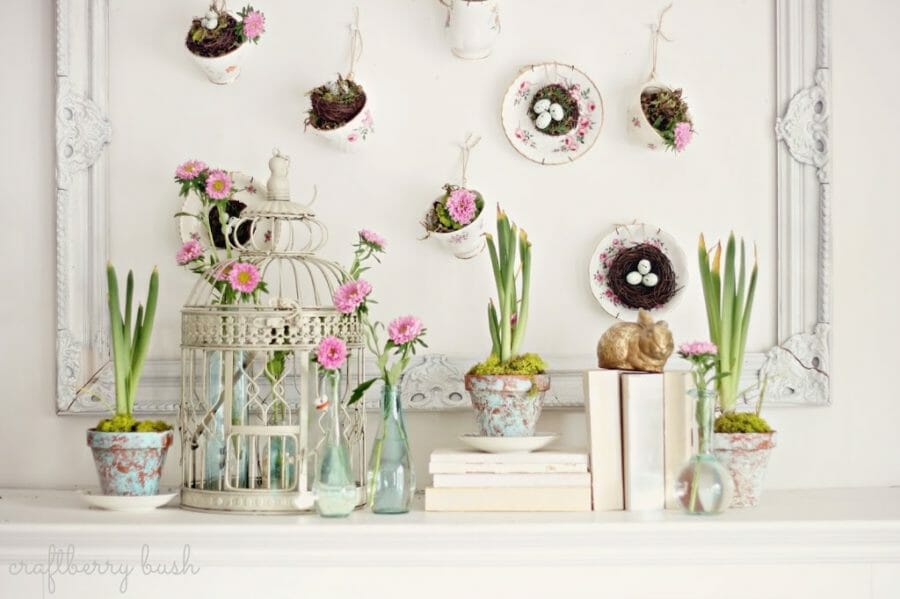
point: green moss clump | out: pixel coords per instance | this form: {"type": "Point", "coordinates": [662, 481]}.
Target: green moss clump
{"type": "Point", "coordinates": [526, 365]}
{"type": "Point", "coordinates": [743, 422]}
{"type": "Point", "coordinates": [127, 424]}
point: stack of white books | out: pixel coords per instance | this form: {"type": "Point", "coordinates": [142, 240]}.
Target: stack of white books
{"type": "Point", "coordinates": [541, 481]}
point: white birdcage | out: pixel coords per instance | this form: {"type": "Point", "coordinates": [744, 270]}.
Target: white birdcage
{"type": "Point", "coordinates": [248, 428]}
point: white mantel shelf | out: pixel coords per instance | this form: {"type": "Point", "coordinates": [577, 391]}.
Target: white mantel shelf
{"type": "Point", "coordinates": [790, 527]}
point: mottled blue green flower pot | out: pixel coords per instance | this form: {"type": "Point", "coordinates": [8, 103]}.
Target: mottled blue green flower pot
{"type": "Point", "coordinates": [507, 405]}
{"type": "Point", "coordinates": [129, 463]}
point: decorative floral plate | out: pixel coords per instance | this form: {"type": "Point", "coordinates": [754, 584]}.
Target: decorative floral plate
{"type": "Point", "coordinates": [576, 117]}
{"type": "Point", "coordinates": [625, 236]}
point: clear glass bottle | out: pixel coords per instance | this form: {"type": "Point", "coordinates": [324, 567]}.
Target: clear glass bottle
{"type": "Point", "coordinates": [334, 486]}
{"type": "Point", "coordinates": [704, 486]}
{"type": "Point", "coordinates": [391, 479]}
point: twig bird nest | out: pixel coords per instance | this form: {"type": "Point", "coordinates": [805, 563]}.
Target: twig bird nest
{"type": "Point", "coordinates": [642, 276]}
{"type": "Point", "coordinates": [335, 104]}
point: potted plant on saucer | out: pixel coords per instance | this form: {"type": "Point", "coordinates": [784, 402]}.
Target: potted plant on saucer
{"type": "Point", "coordinates": [508, 388]}
{"type": "Point", "coordinates": [129, 454]}
{"type": "Point", "coordinates": [218, 39]}
{"type": "Point", "coordinates": [456, 219]}
{"type": "Point", "coordinates": [743, 441]}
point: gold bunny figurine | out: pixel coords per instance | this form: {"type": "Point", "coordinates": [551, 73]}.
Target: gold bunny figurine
{"type": "Point", "coordinates": [643, 345]}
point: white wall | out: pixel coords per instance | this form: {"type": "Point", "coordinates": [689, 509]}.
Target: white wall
{"type": "Point", "coordinates": [854, 442]}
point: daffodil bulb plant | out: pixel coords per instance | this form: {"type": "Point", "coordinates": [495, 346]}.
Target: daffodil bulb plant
{"type": "Point", "coordinates": [216, 260]}
{"type": "Point", "coordinates": [729, 293]}
{"type": "Point", "coordinates": [507, 389]}
{"type": "Point", "coordinates": [508, 318]}
{"type": "Point", "coordinates": [130, 340]}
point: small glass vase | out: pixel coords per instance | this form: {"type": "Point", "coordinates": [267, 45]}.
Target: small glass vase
{"type": "Point", "coordinates": [704, 486]}
{"type": "Point", "coordinates": [391, 480]}
{"type": "Point", "coordinates": [334, 486]}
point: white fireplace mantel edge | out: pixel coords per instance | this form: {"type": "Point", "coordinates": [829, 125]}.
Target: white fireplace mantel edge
{"type": "Point", "coordinates": [846, 526]}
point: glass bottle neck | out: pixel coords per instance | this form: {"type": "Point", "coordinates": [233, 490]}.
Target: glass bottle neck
{"type": "Point", "coordinates": [331, 383]}
{"type": "Point", "coordinates": [706, 416]}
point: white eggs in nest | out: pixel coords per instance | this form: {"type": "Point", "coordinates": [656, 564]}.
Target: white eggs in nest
{"type": "Point", "coordinates": [633, 278]}
{"type": "Point", "coordinates": [644, 266]}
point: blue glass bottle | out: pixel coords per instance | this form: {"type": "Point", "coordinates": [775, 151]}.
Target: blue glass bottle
{"type": "Point", "coordinates": [334, 486]}
{"type": "Point", "coordinates": [391, 480]}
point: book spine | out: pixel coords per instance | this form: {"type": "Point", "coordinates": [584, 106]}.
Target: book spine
{"type": "Point", "coordinates": [448, 468]}
{"type": "Point", "coordinates": [603, 416]}
{"type": "Point", "coordinates": [546, 499]}
{"type": "Point", "coordinates": [512, 480]}
{"type": "Point", "coordinates": [679, 419]}
{"type": "Point", "coordinates": [642, 433]}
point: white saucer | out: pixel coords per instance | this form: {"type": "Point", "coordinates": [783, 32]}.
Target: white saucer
{"type": "Point", "coordinates": [125, 503]}
{"type": "Point", "coordinates": [508, 444]}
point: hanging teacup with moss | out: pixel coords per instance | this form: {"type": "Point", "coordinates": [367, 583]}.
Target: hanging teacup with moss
{"type": "Point", "coordinates": [340, 110]}
{"type": "Point", "coordinates": [218, 40]}
{"type": "Point", "coordinates": [659, 115]}
{"type": "Point", "coordinates": [457, 218]}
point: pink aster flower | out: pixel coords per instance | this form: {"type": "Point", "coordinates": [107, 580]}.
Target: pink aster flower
{"type": "Point", "coordinates": [404, 329]}
{"type": "Point", "coordinates": [683, 135]}
{"type": "Point", "coordinates": [373, 239]}
{"type": "Point", "coordinates": [244, 277]}
{"type": "Point", "coordinates": [254, 24]}
{"type": "Point", "coordinates": [190, 251]}
{"type": "Point", "coordinates": [351, 295]}
{"type": "Point", "coordinates": [218, 185]}
{"type": "Point", "coordinates": [331, 353]}
{"type": "Point", "coordinates": [697, 348]}
{"type": "Point", "coordinates": [461, 205]}
{"type": "Point", "coordinates": [190, 169]}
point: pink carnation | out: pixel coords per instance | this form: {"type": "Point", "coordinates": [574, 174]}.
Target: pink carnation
{"type": "Point", "coordinates": [461, 205]}
{"type": "Point", "coordinates": [683, 135]}
{"type": "Point", "coordinates": [190, 251]}
{"type": "Point", "coordinates": [189, 170]}
{"type": "Point", "coordinates": [331, 353]}
{"type": "Point", "coordinates": [697, 348]}
{"type": "Point", "coordinates": [244, 277]}
{"type": "Point", "coordinates": [218, 185]}
{"type": "Point", "coordinates": [373, 239]}
{"type": "Point", "coordinates": [351, 295]}
{"type": "Point", "coordinates": [254, 24]}
{"type": "Point", "coordinates": [404, 329]}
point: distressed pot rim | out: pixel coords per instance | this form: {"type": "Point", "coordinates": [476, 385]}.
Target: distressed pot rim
{"type": "Point", "coordinates": [130, 440]}
{"type": "Point", "coordinates": [745, 441]}
{"type": "Point", "coordinates": [542, 381]}
{"type": "Point", "coordinates": [220, 56]}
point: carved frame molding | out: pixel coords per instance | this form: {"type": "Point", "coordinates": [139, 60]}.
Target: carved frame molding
{"type": "Point", "coordinates": [798, 368]}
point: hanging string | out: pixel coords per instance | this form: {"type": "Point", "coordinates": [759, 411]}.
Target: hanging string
{"type": "Point", "coordinates": [657, 35]}
{"type": "Point", "coordinates": [471, 141]}
{"type": "Point", "coordinates": [356, 42]}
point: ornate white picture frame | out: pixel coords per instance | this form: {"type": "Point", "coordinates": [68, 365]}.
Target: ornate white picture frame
{"type": "Point", "coordinates": [797, 369]}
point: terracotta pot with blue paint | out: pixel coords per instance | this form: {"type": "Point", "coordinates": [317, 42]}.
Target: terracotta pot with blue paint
{"type": "Point", "coordinates": [129, 463]}
{"type": "Point", "coordinates": [507, 405]}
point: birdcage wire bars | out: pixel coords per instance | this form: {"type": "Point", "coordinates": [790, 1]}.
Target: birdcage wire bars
{"type": "Point", "coordinates": [248, 430]}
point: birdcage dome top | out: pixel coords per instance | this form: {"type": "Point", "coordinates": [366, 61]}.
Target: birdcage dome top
{"type": "Point", "coordinates": [277, 240]}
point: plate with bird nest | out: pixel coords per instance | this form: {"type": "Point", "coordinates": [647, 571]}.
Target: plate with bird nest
{"type": "Point", "coordinates": [552, 113]}
{"type": "Point", "coordinates": [638, 266]}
